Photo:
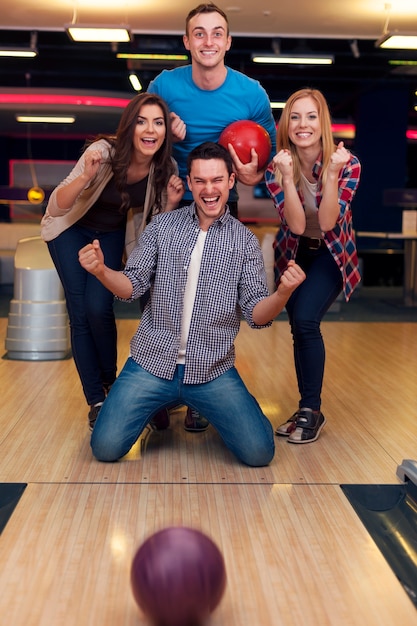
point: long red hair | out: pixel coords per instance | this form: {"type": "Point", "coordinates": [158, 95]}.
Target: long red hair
{"type": "Point", "coordinates": [327, 141]}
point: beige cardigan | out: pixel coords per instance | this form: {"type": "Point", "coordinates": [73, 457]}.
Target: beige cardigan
{"type": "Point", "coordinates": [52, 226]}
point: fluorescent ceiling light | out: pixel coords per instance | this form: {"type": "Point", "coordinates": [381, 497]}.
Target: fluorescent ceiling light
{"type": "Point", "coordinates": [293, 59]}
{"type": "Point", "coordinates": [135, 82]}
{"type": "Point", "coordinates": [277, 105]}
{"type": "Point", "coordinates": [27, 52]}
{"type": "Point", "coordinates": [399, 62]}
{"type": "Point", "coordinates": [46, 119]}
{"type": "Point", "coordinates": [18, 52]}
{"type": "Point", "coordinates": [397, 40]}
{"type": "Point", "coordinates": [98, 33]}
{"type": "Point", "coordinates": [152, 57]}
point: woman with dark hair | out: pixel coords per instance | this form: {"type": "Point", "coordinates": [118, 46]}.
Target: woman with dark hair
{"type": "Point", "coordinates": [115, 188]}
{"type": "Point", "coordinates": [312, 182]}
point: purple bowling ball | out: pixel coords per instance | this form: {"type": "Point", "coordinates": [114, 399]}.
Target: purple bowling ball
{"type": "Point", "coordinates": [178, 577]}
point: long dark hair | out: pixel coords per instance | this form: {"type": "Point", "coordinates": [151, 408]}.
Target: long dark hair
{"type": "Point", "coordinates": [122, 143]}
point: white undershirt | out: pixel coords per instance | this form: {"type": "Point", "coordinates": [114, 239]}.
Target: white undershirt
{"type": "Point", "coordinates": [190, 292]}
{"type": "Point", "coordinates": [312, 228]}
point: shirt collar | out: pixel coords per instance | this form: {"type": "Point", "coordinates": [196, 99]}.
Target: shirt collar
{"type": "Point", "coordinates": [221, 220]}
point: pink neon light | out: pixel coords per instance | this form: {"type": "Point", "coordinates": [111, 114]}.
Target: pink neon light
{"type": "Point", "coordinates": [104, 101]}
{"type": "Point", "coordinates": [343, 128]}
{"type": "Point", "coordinates": [410, 133]}
{"type": "Point", "coordinates": [57, 99]}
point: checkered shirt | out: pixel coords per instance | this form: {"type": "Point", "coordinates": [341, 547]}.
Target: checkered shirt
{"type": "Point", "coordinates": [340, 241]}
{"type": "Point", "coordinates": [232, 280]}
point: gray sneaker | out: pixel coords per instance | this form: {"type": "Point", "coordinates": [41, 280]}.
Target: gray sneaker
{"type": "Point", "coordinates": [308, 425]}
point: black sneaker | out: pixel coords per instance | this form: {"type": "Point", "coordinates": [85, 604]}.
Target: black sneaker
{"type": "Point", "coordinates": [308, 425]}
{"type": "Point", "coordinates": [93, 414]}
{"type": "Point", "coordinates": [194, 422]}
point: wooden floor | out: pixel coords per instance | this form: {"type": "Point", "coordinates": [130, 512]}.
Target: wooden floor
{"type": "Point", "coordinates": [295, 551]}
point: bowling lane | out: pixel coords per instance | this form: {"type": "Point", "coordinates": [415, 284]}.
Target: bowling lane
{"type": "Point", "coordinates": [294, 554]}
{"type": "Point", "coordinates": [44, 435]}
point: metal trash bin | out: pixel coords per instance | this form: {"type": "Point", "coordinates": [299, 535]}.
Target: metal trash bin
{"type": "Point", "coordinates": [38, 328]}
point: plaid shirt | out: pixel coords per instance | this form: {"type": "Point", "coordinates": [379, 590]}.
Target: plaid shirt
{"type": "Point", "coordinates": [340, 241]}
{"type": "Point", "coordinates": [232, 280]}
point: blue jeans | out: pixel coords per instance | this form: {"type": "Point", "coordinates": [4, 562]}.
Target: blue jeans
{"type": "Point", "coordinates": [306, 308]}
{"type": "Point", "coordinates": [90, 307]}
{"type": "Point", "coordinates": [225, 401]}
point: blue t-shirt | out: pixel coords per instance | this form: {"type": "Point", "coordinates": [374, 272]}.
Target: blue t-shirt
{"type": "Point", "coordinates": [207, 113]}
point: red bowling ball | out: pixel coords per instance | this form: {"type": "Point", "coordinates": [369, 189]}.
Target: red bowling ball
{"type": "Point", "coordinates": [244, 135]}
{"type": "Point", "coordinates": [178, 577]}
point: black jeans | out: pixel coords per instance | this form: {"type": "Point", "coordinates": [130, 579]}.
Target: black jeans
{"type": "Point", "coordinates": [90, 307]}
{"type": "Point", "coordinates": [306, 308]}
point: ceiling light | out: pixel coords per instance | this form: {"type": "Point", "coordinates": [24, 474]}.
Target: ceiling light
{"type": "Point", "coordinates": [18, 52]}
{"type": "Point", "coordinates": [21, 51]}
{"type": "Point", "coordinates": [152, 57]}
{"type": "Point", "coordinates": [46, 119]}
{"type": "Point", "coordinates": [294, 59]}
{"type": "Point", "coordinates": [277, 105]}
{"type": "Point", "coordinates": [95, 33]}
{"type": "Point", "coordinates": [135, 82]}
{"type": "Point", "coordinates": [402, 62]}
{"type": "Point", "coordinates": [397, 40]}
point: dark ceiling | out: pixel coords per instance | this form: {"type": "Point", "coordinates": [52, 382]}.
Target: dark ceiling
{"type": "Point", "coordinates": [63, 64]}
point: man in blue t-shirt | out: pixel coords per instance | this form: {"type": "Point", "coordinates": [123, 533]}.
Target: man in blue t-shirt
{"type": "Point", "coordinates": [204, 98]}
